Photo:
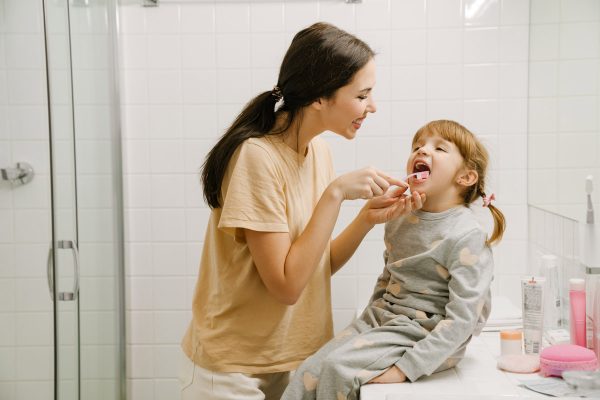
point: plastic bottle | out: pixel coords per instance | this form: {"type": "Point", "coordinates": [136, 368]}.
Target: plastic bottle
{"type": "Point", "coordinates": [596, 317]}
{"type": "Point", "coordinates": [552, 299]}
{"type": "Point", "coordinates": [577, 314]}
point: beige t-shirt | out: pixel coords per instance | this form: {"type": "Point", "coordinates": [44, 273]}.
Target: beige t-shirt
{"type": "Point", "coordinates": [237, 325]}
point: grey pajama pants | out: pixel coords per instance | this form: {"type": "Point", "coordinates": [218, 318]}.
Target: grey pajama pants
{"type": "Point", "coordinates": [355, 356]}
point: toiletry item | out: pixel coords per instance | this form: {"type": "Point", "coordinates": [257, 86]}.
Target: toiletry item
{"type": "Point", "coordinates": [555, 360]}
{"type": "Point", "coordinates": [519, 363]}
{"type": "Point", "coordinates": [558, 336]}
{"type": "Point", "coordinates": [552, 302]}
{"type": "Point", "coordinates": [589, 188]}
{"type": "Point", "coordinates": [577, 315]}
{"type": "Point", "coordinates": [511, 342]}
{"type": "Point", "coordinates": [532, 291]}
{"type": "Point", "coordinates": [583, 380]}
{"type": "Point", "coordinates": [592, 279]}
{"type": "Point", "coordinates": [417, 175]}
{"type": "Point", "coordinates": [596, 317]}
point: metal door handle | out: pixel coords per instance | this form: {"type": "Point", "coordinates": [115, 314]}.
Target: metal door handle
{"type": "Point", "coordinates": [50, 273]}
{"type": "Point", "coordinates": [65, 296]}
{"type": "Point", "coordinates": [70, 296]}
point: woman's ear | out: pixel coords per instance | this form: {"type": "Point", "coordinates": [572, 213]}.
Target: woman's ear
{"type": "Point", "coordinates": [318, 104]}
{"type": "Point", "coordinates": [467, 177]}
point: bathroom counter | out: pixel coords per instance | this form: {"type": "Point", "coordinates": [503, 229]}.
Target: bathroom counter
{"type": "Point", "coordinates": [476, 377]}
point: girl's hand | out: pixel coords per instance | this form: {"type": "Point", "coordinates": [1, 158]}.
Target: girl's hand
{"type": "Point", "coordinates": [390, 375]}
{"type": "Point", "coordinates": [391, 205]}
{"type": "Point", "coordinates": [364, 183]}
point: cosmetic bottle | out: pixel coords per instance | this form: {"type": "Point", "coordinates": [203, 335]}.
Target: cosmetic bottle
{"type": "Point", "coordinates": [552, 298]}
{"type": "Point", "coordinates": [596, 317]}
{"type": "Point", "coordinates": [577, 315]}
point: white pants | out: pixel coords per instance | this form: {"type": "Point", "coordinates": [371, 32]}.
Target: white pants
{"type": "Point", "coordinates": [198, 383]}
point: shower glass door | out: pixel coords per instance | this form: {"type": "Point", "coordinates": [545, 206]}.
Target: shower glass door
{"type": "Point", "coordinates": [61, 293]}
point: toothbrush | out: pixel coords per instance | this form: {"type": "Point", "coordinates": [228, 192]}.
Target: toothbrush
{"type": "Point", "coordinates": [589, 187]}
{"type": "Point", "coordinates": [418, 175]}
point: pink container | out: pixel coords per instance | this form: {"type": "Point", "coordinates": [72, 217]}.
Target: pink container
{"type": "Point", "coordinates": [554, 360]}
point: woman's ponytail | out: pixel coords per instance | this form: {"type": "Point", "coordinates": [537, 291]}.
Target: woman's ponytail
{"type": "Point", "coordinates": [256, 119]}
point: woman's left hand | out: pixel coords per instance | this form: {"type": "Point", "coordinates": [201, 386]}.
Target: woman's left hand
{"type": "Point", "coordinates": [392, 204]}
{"type": "Point", "coordinates": [391, 375]}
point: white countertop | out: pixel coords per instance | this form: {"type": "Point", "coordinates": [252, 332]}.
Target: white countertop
{"type": "Point", "coordinates": [475, 377]}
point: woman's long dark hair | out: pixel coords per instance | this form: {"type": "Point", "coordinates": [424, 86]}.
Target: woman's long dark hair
{"type": "Point", "coordinates": [321, 59]}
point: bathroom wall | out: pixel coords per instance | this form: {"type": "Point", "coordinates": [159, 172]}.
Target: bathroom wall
{"type": "Point", "coordinates": [564, 90]}
{"type": "Point", "coordinates": [188, 67]}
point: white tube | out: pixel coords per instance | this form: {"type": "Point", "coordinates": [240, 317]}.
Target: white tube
{"type": "Point", "coordinates": [552, 301]}
{"type": "Point", "coordinates": [532, 291]}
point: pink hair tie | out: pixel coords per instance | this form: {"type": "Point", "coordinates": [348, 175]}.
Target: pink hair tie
{"type": "Point", "coordinates": [488, 199]}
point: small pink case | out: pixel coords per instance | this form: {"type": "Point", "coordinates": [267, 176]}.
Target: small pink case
{"type": "Point", "coordinates": [554, 360]}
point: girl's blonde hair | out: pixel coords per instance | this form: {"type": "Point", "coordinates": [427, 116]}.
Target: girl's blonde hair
{"type": "Point", "coordinates": [475, 157]}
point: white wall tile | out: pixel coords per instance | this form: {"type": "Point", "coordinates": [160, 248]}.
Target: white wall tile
{"type": "Point", "coordinates": [373, 15]}
{"type": "Point", "coordinates": [444, 13]}
{"type": "Point", "coordinates": [480, 81]}
{"type": "Point", "coordinates": [409, 47]}
{"type": "Point", "coordinates": [481, 116]}
{"type": "Point", "coordinates": [543, 78]}
{"type": "Point", "coordinates": [167, 191]}
{"type": "Point", "coordinates": [409, 83]}
{"type": "Point", "coordinates": [408, 14]}
{"type": "Point", "coordinates": [198, 18]}
{"type": "Point", "coordinates": [571, 45]}
{"type": "Point", "coordinates": [165, 122]}
{"type": "Point", "coordinates": [168, 225]}
{"type": "Point", "coordinates": [266, 17]}
{"type": "Point", "coordinates": [578, 77]}
{"type": "Point", "coordinates": [164, 87]}
{"type": "Point", "coordinates": [544, 42]}
{"type": "Point", "coordinates": [478, 13]}
{"type": "Point", "coordinates": [444, 82]}
{"type": "Point", "coordinates": [232, 17]}
{"type": "Point", "coordinates": [164, 52]}
{"type": "Point", "coordinates": [234, 85]}
{"type": "Point", "coordinates": [481, 45]}
{"type": "Point", "coordinates": [199, 86]}
{"type": "Point", "coordinates": [163, 19]}
{"type": "Point", "coordinates": [166, 156]}
{"type": "Point", "coordinates": [577, 113]}
{"type": "Point", "coordinates": [544, 11]}
{"type": "Point", "coordinates": [16, 58]}
{"type": "Point", "coordinates": [444, 46]}
{"type": "Point", "coordinates": [578, 10]}
{"type": "Point", "coordinates": [514, 12]}
{"type": "Point", "coordinates": [198, 51]}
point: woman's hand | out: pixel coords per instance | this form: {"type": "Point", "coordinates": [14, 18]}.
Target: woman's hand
{"type": "Point", "coordinates": [364, 183]}
{"type": "Point", "coordinates": [393, 204]}
{"type": "Point", "coordinates": [390, 375]}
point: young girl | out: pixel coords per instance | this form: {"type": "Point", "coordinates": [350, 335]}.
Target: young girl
{"type": "Point", "coordinates": [434, 293]}
{"type": "Point", "coordinates": [262, 301]}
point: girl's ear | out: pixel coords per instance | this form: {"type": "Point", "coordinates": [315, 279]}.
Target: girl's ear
{"type": "Point", "coordinates": [467, 177]}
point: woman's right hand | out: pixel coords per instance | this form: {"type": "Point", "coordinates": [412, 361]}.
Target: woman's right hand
{"type": "Point", "coordinates": [364, 183]}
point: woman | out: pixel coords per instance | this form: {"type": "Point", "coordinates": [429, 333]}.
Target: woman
{"type": "Point", "coordinates": [262, 301]}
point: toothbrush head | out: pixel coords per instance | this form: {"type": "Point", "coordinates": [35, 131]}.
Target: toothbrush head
{"type": "Point", "coordinates": [418, 175]}
{"type": "Point", "coordinates": [589, 184]}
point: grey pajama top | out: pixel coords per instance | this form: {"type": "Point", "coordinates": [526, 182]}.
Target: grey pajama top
{"type": "Point", "coordinates": [438, 271]}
